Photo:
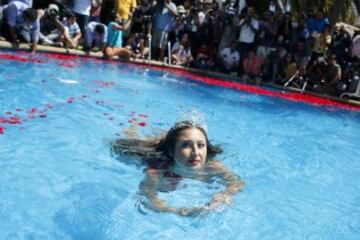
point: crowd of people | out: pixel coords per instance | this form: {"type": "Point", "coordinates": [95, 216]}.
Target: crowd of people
{"type": "Point", "coordinates": [229, 36]}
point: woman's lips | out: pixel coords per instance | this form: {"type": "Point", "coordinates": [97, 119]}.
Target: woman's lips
{"type": "Point", "coordinates": [195, 162]}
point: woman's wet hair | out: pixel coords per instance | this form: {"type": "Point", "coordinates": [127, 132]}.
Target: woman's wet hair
{"type": "Point", "coordinates": [167, 144]}
{"type": "Point", "coordinates": [161, 149]}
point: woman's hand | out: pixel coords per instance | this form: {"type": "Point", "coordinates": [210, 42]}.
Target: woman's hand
{"type": "Point", "coordinates": [189, 212]}
{"type": "Point", "coordinates": [218, 200]}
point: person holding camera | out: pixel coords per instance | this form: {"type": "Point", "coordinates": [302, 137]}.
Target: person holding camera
{"type": "Point", "coordinates": [248, 27]}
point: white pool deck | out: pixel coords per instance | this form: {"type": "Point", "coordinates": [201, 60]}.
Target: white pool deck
{"type": "Point", "coordinates": [48, 49]}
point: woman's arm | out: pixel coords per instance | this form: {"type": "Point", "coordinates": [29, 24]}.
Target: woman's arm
{"type": "Point", "coordinates": [232, 182]}
{"type": "Point", "coordinates": [148, 187]}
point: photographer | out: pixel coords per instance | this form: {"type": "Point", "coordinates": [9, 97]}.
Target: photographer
{"type": "Point", "coordinates": [227, 21]}
{"type": "Point", "coordinates": [177, 30]}
{"type": "Point", "coordinates": [248, 27]}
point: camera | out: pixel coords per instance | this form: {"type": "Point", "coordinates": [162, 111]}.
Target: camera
{"type": "Point", "coordinates": [147, 19]}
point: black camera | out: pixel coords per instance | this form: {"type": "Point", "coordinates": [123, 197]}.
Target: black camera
{"type": "Point", "coordinates": [147, 19]}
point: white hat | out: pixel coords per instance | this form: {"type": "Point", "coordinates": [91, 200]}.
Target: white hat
{"type": "Point", "coordinates": [53, 7]}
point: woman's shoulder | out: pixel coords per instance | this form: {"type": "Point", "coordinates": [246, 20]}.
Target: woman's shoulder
{"type": "Point", "coordinates": [216, 165]}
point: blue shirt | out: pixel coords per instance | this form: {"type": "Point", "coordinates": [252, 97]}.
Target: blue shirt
{"type": "Point", "coordinates": [15, 18]}
{"type": "Point", "coordinates": [115, 36]}
{"type": "Point", "coordinates": [163, 19]}
{"type": "Point", "coordinates": [317, 25]}
{"type": "Point", "coordinates": [28, 2]}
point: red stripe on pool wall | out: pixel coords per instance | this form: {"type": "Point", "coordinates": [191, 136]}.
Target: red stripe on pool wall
{"type": "Point", "coordinates": [291, 96]}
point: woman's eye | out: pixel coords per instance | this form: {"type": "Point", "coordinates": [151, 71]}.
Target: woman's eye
{"type": "Point", "coordinates": [201, 145]}
{"type": "Point", "coordinates": [186, 145]}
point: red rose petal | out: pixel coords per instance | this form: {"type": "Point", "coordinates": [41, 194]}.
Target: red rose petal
{"type": "Point", "coordinates": [14, 120]}
{"type": "Point", "coordinates": [142, 124]}
{"type": "Point", "coordinates": [143, 115]}
{"type": "Point", "coordinates": [3, 120]}
{"type": "Point", "coordinates": [33, 110]}
{"type": "Point", "coordinates": [8, 113]}
{"type": "Point", "coordinates": [18, 110]}
{"type": "Point", "coordinates": [2, 130]}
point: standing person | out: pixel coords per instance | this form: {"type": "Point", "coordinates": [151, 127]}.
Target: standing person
{"type": "Point", "coordinates": [27, 2]}
{"type": "Point", "coordinates": [184, 152]}
{"type": "Point", "coordinates": [163, 17]}
{"type": "Point", "coordinates": [248, 26]}
{"type": "Point", "coordinates": [82, 9]}
{"type": "Point", "coordinates": [322, 42]}
{"type": "Point", "coordinates": [317, 23]}
{"type": "Point", "coordinates": [107, 8]}
{"type": "Point", "coordinates": [124, 7]}
{"type": "Point", "coordinates": [266, 39]}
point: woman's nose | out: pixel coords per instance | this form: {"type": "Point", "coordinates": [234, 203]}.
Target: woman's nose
{"type": "Point", "coordinates": [195, 150]}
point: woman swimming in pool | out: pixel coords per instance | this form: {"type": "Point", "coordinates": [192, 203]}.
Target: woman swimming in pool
{"type": "Point", "coordinates": [184, 152]}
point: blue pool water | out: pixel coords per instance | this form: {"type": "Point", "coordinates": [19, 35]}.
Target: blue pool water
{"type": "Point", "coordinates": [59, 180]}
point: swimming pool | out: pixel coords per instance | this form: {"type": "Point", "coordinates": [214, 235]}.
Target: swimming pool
{"type": "Point", "coordinates": [60, 181]}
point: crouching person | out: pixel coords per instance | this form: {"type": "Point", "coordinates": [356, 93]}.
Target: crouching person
{"type": "Point", "coordinates": [71, 33]}
{"type": "Point", "coordinates": [22, 24]}
{"type": "Point", "coordinates": [95, 39]}
{"type": "Point", "coordinates": [114, 44]}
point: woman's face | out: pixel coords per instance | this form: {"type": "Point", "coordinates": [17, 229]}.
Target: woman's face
{"type": "Point", "coordinates": [190, 148]}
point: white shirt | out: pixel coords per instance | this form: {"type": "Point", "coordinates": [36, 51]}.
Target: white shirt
{"type": "Point", "coordinates": [229, 58]}
{"type": "Point", "coordinates": [92, 36]}
{"type": "Point", "coordinates": [247, 35]}
{"type": "Point", "coordinates": [82, 7]}
{"type": "Point", "coordinates": [181, 52]}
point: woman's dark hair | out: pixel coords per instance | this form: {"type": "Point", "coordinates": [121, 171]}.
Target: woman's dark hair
{"type": "Point", "coordinates": [160, 149]}
{"type": "Point", "coordinates": [167, 144]}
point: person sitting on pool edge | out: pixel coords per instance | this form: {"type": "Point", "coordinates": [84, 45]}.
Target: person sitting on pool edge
{"type": "Point", "coordinates": [114, 43]}
{"type": "Point", "coordinates": [184, 152]}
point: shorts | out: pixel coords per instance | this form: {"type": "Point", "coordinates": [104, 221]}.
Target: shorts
{"type": "Point", "coordinates": [159, 39]}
